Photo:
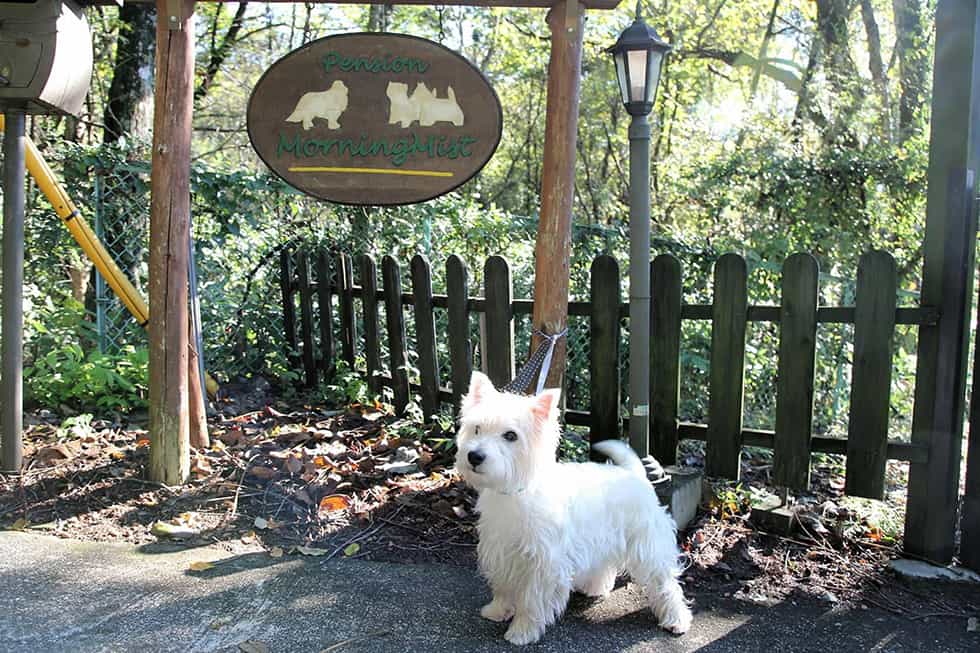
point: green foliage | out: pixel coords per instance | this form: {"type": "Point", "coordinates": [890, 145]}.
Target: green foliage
{"type": "Point", "coordinates": [730, 499]}
{"type": "Point", "coordinates": [573, 448]}
{"type": "Point", "coordinates": [802, 152]}
{"type": "Point", "coordinates": [76, 427]}
{"type": "Point", "coordinates": [347, 386]}
{"type": "Point", "coordinates": [93, 381]}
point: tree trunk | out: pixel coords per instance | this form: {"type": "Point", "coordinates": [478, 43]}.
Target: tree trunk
{"type": "Point", "coordinates": [378, 18]}
{"type": "Point", "coordinates": [912, 65]}
{"type": "Point", "coordinates": [127, 108]}
{"type": "Point", "coordinates": [220, 51]}
{"type": "Point", "coordinates": [846, 90]}
{"type": "Point", "coordinates": [877, 67]}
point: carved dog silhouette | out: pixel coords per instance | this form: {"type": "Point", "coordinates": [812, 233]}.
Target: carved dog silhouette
{"type": "Point", "coordinates": [423, 105]}
{"type": "Point", "coordinates": [327, 105]}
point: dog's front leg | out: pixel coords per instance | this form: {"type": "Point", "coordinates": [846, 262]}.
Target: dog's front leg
{"type": "Point", "coordinates": [501, 608]}
{"type": "Point", "coordinates": [524, 629]}
{"type": "Point", "coordinates": [537, 606]}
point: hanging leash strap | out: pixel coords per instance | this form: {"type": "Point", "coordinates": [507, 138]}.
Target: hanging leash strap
{"type": "Point", "coordinates": [540, 360]}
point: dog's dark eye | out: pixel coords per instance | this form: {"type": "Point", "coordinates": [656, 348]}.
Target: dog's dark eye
{"type": "Point", "coordinates": [476, 430]}
{"type": "Point", "coordinates": [510, 436]}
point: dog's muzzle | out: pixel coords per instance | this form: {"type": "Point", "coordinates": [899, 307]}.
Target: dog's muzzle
{"type": "Point", "coordinates": [475, 458]}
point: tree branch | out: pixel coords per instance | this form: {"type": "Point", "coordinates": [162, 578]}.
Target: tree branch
{"type": "Point", "coordinates": [784, 76]}
{"type": "Point", "coordinates": [220, 52]}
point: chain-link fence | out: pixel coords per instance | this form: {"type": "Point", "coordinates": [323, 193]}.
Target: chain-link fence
{"type": "Point", "coordinates": [240, 222]}
{"type": "Point", "coordinates": [122, 224]}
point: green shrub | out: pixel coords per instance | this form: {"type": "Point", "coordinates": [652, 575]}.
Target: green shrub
{"type": "Point", "coordinates": [95, 382]}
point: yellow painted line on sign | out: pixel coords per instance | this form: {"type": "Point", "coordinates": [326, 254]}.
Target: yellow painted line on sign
{"type": "Point", "coordinates": [372, 171]}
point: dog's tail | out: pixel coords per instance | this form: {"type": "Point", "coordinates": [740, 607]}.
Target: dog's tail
{"type": "Point", "coordinates": [621, 454]}
{"type": "Point", "coordinates": [451, 94]}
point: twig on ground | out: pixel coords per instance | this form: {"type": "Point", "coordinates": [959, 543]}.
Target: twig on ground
{"type": "Point", "coordinates": [362, 536]}
{"type": "Point", "coordinates": [339, 645]}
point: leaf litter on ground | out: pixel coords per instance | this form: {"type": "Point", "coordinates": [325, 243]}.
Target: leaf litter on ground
{"type": "Point", "coordinates": [318, 482]}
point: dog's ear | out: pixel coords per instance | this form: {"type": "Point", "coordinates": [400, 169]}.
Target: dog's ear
{"type": "Point", "coordinates": [481, 387]}
{"type": "Point", "coordinates": [545, 406]}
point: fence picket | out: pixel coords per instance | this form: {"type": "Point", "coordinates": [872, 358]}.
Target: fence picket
{"type": "Point", "coordinates": [460, 347]}
{"type": "Point", "coordinates": [499, 354]}
{"type": "Point", "coordinates": [369, 302]}
{"type": "Point", "coordinates": [604, 389]}
{"type": "Point", "coordinates": [794, 386]}
{"type": "Point", "coordinates": [288, 305]}
{"type": "Point", "coordinates": [325, 302]}
{"type": "Point", "coordinates": [306, 317]}
{"type": "Point", "coordinates": [970, 518]}
{"type": "Point", "coordinates": [871, 379]}
{"type": "Point", "coordinates": [665, 346]}
{"type": "Point", "coordinates": [345, 288]}
{"type": "Point", "coordinates": [391, 279]}
{"type": "Point", "coordinates": [728, 325]}
{"type": "Point", "coordinates": [425, 334]}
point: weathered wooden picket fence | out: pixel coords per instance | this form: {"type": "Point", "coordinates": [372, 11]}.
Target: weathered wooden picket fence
{"type": "Point", "coordinates": [874, 316]}
{"type": "Point", "coordinates": [314, 284]}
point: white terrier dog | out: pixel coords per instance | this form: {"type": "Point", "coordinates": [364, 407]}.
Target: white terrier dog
{"type": "Point", "coordinates": [423, 105]}
{"type": "Point", "coordinates": [547, 528]}
{"type": "Point", "coordinates": [404, 109]}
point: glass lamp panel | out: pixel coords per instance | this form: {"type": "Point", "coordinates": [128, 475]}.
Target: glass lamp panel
{"type": "Point", "coordinates": [637, 62]}
{"type": "Point", "coordinates": [653, 74]}
{"type": "Point", "coordinates": [621, 74]}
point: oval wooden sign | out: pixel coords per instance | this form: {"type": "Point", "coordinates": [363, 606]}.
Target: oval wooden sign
{"type": "Point", "coordinates": [374, 118]}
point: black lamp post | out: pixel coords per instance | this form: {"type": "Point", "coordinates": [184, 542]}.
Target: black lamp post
{"type": "Point", "coordinates": [639, 54]}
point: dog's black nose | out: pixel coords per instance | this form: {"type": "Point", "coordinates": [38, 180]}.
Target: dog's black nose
{"type": "Point", "coordinates": [475, 458]}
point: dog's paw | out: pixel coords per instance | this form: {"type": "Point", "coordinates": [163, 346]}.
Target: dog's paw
{"type": "Point", "coordinates": [497, 611]}
{"type": "Point", "coordinates": [523, 631]}
{"type": "Point", "coordinates": [597, 586]}
{"type": "Point", "coordinates": [679, 623]}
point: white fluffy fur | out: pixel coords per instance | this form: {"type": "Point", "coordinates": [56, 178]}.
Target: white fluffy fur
{"type": "Point", "coordinates": [547, 528]}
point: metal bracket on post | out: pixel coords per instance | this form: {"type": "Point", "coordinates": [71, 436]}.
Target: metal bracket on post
{"type": "Point", "coordinates": [175, 15]}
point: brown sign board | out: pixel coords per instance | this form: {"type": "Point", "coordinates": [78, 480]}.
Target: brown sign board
{"type": "Point", "coordinates": [374, 119]}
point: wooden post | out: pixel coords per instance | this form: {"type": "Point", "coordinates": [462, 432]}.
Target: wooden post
{"type": "Point", "coordinates": [395, 318]}
{"type": "Point", "coordinates": [728, 325]}
{"type": "Point", "coordinates": [369, 302]}
{"type": "Point", "coordinates": [553, 249]}
{"type": "Point", "coordinates": [604, 350]}
{"type": "Point", "coordinates": [499, 351]}
{"type": "Point", "coordinates": [288, 305]}
{"type": "Point", "coordinates": [970, 521]}
{"type": "Point", "coordinates": [665, 352]}
{"type": "Point", "coordinates": [871, 379]}
{"type": "Point", "coordinates": [324, 301]}
{"type": "Point", "coordinates": [348, 321]}
{"type": "Point", "coordinates": [947, 277]}
{"type": "Point", "coordinates": [425, 335]}
{"type": "Point", "coordinates": [797, 363]}
{"type": "Point", "coordinates": [306, 318]}
{"type": "Point", "coordinates": [169, 244]}
{"type": "Point", "coordinates": [460, 347]}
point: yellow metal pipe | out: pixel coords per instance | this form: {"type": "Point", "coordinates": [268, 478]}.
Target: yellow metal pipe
{"type": "Point", "coordinates": [88, 241]}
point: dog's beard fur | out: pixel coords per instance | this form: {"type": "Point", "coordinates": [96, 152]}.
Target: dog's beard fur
{"type": "Point", "coordinates": [547, 528]}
